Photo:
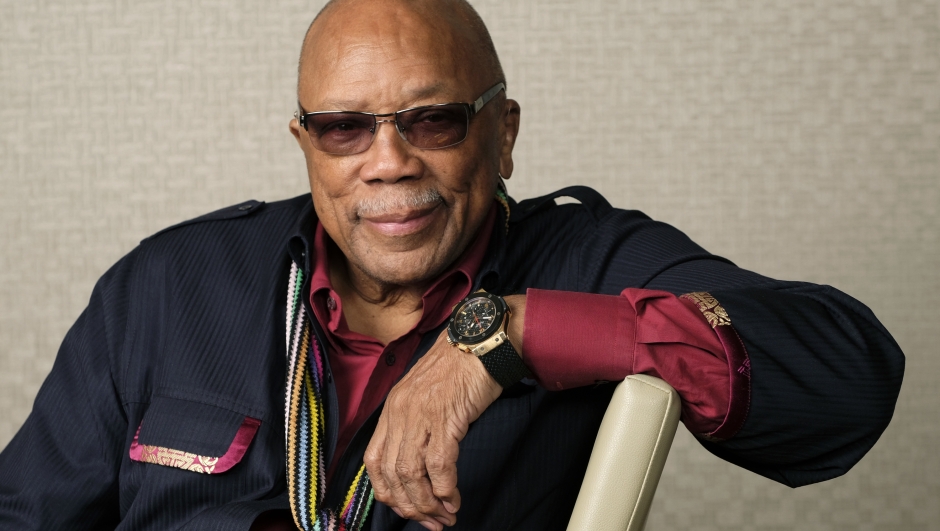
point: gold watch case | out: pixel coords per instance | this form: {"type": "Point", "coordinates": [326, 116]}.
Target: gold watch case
{"type": "Point", "coordinates": [478, 323]}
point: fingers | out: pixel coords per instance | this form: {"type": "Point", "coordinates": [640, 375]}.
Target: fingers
{"type": "Point", "coordinates": [380, 458]}
{"type": "Point", "coordinates": [394, 459]}
{"type": "Point", "coordinates": [413, 475]}
{"type": "Point", "coordinates": [441, 461]}
{"type": "Point", "coordinates": [373, 461]}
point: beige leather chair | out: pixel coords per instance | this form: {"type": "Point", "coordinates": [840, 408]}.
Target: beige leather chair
{"type": "Point", "coordinates": [628, 457]}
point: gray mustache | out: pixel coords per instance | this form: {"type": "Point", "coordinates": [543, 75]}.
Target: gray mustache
{"type": "Point", "coordinates": [397, 201]}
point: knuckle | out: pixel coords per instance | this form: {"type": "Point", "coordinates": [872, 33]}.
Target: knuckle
{"type": "Point", "coordinates": [382, 495]}
{"type": "Point", "coordinates": [408, 471]}
{"type": "Point", "coordinates": [372, 460]}
{"type": "Point", "coordinates": [409, 512]}
{"type": "Point", "coordinates": [388, 470]}
{"type": "Point", "coordinates": [425, 505]}
{"type": "Point", "coordinates": [436, 462]}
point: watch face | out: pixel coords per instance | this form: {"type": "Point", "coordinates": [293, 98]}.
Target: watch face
{"type": "Point", "coordinates": [475, 318]}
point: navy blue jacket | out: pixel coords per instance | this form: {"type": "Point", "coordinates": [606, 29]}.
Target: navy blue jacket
{"type": "Point", "coordinates": [185, 337]}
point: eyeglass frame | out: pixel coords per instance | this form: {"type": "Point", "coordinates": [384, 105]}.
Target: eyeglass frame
{"type": "Point", "coordinates": [472, 109]}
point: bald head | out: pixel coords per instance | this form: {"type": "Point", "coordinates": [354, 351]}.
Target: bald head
{"type": "Point", "coordinates": [451, 27]}
{"type": "Point", "coordinates": [401, 212]}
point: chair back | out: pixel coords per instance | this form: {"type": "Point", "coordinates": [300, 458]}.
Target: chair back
{"type": "Point", "coordinates": [628, 457]}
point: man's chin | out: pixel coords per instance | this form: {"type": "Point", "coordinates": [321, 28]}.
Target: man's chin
{"type": "Point", "coordinates": [402, 268]}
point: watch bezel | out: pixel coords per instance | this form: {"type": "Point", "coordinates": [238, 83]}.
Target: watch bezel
{"type": "Point", "coordinates": [502, 309]}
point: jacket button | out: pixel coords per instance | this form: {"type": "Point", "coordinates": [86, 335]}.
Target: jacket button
{"type": "Point", "coordinates": [245, 207]}
{"type": "Point", "coordinates": [390, 359]}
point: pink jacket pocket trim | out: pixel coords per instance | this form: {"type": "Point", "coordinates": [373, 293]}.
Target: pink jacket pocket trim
{"type": "Point", "coordinates": [170, 457]}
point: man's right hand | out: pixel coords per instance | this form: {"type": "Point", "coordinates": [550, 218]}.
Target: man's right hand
{"type": "Point", "coordinates": [412, 458]}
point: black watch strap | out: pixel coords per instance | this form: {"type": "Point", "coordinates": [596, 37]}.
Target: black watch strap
{"type": "Point", "coordinates": [505, 365]}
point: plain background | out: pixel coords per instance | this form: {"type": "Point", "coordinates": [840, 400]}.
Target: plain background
{"type": "Point", "coordinates": [799, 139]}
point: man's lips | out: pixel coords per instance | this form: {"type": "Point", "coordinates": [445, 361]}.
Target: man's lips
{"type": "Point", "coordinates": [402, 223]}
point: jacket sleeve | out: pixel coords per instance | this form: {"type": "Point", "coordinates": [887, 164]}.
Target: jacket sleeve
{"type": "Point", "coordinates": [821, 375]}
{"type": "Point", "coordinates": [824, 379]}
{"type": "Point", "coordinates": [60, 470]}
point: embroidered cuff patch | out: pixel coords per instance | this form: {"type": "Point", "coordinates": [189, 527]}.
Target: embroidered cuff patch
{"type": "Point", "coordinates": [708, 305]}
{"type": "Point", "coordinates": [739, 365]}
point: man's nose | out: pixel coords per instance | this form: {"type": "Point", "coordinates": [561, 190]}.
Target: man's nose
{"type": "Point", "coordinates": [390, 158]}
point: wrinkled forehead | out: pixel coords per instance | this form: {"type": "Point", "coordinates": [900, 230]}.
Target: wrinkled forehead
{"type": "Point", "coordinates": [388, 50]}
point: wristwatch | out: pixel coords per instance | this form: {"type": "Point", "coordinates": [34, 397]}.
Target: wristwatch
{"type": "Point", "coordinates": [478, 326]}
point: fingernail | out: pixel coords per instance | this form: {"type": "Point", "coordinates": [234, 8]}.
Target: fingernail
{"type": "Point", "coordinates": [444, 521]}
{"type": "Point", "coordinates": [398, 512]}
{"type": "Point", "coordinates": [450, 508]}
{"type": "Point", "coordinates": [428, 525]}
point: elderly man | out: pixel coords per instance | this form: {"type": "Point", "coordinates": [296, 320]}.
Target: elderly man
{"type": "Point", "coordinates": [408, 346]}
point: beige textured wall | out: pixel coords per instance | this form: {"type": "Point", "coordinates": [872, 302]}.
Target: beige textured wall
{"type": "Point", "coordinates": [800, 139]}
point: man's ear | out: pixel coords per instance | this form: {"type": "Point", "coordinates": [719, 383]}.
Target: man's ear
{"type": "Point", "coordinates": [509, 130]}
{"type": "Point", "coordinates": [295, 130]}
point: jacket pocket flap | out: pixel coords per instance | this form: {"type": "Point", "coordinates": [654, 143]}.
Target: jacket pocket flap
{"type": "Point", "coordinates": [192, 436]}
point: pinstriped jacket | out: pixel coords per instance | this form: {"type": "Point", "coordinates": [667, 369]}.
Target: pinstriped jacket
{"type": "Point", "coordinates": [165, 406]}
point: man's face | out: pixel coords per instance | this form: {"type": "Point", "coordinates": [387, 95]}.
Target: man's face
{"type": "Point", "coordinates": [401, 214]}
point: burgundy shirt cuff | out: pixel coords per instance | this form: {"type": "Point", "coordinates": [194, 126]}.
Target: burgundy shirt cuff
{"type": "Point", "coordinates": [575, 339]}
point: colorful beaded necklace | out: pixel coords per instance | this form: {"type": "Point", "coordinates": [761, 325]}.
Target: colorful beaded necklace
{"type": "Point", "coordinates": [306, 430]}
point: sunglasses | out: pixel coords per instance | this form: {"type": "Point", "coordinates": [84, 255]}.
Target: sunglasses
{"type": "Point", "coordinates": [426, 127]}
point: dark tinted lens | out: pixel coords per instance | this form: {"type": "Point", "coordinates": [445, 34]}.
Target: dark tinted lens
{"type": "Point", "coordinates": [341, 133]}
{"type": "Point", "coordinates": [436, 126]}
